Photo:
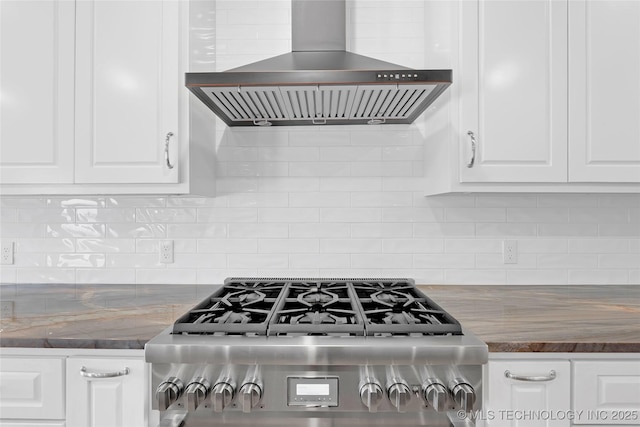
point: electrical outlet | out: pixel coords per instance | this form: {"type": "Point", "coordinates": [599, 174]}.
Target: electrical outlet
{"type": "Point", "coordinates": [6, 253]}
{"type": "Point", "coordinates": [166, 251]}
{"type": "Point", "coordinates": [6, 309]}
{"type": "Point", "coordinates": [510, 251]}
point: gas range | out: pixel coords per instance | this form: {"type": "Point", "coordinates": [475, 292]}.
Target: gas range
{"type": "Point", "coordinates": [316, 352]}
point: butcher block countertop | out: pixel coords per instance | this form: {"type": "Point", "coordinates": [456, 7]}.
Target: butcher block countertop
{"type": "Point", "coordinates": [508, 318]}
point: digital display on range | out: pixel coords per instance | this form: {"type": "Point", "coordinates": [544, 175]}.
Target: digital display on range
{"type": "Point", "coordinates": [312, 389]}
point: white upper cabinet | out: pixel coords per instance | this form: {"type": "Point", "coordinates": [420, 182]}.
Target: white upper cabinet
{"type": "Point", "coordinates": [36, 91]}
{"type": "Point", "coordinates": [514, 95]}
{"type": "Point", "coordinates": [93, 99]}
{"type": "Point", "coordinates": [127, 82]}
{"type": "Point", "coordinates": [604, 91]}
{"type": "Point", "coordinates": [545, 98]}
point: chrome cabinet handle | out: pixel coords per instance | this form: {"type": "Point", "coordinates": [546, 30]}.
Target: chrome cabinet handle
{"type": "Point", "coordinates": [551, 376]}
{"type": "Point", "coordinates": [85, 373]}
{"type": "Point", "coordinates": [473, 149]}
{"type": "Point", "coordinates": [166, 150]}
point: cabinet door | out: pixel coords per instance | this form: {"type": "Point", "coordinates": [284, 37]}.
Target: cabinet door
{"type": "Point", "coordinates": [36, 83]}
{"type": "Point", "coordinates": [31, 388]}
{"type": "Point", "coordinates": [604, 95]}
{"type": "Point", "coordinates": [607, 392]}
{"type": "Point", "coordinates": [509, 399]}
{"type": "Point", "coordinates": [127, 67]}
{"type": "Point", "coordinates": [514, 90]}
{"type": "Point", "coordinates": [117, 401]}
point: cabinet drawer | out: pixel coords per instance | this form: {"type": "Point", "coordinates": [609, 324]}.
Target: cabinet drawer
{"type": "Point", "coordinates": [607, 391]}
{"type": "Point", "coordinates": [32, 388]}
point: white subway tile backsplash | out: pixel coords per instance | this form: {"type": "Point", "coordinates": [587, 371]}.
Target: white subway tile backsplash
{"type": "Point", "coordinates": [288, 215]}
{"type": "Point", "coordinates": [102, 245]}
{"type": "Point", "coordinates": [440, 229]}
{"type": "Point", "coordinates": [568, 230]}
{"type": "Point", "coordinates": [381, 230]}
{"type": "Point", "coordinates": [46, 215]}
{"type": "Point", "coordinates": [319, 199]}
{"type": "Point", "coordinates": [350, 246]}
{"type": "Point", "coordinates": [76, 261]}
{"type": "Point", "coordinates": [567, 261]}
{"type": "Point", "coordinates": [75, 230]}
{"type": "Point", "coordinates": [241, 231]}
{"type": "Point", "coordinates": [476, 277]}
{"type": "Point", "coordinates": [598, 277]}
{"type": "Point", "coordinates": [412, 246]}
{"type": "Point", "coordinates": [227, 215]}
{"type": "Point", "coordinates": [551, 215]}
{"type": "Point", "coordinates": [91, 215]}
{"type": "Point", "coordinates": [598, 215]}
{"type": "Point", "coordinates": [505, 229]}
{"type": "Point", "coordinates": [329, 201]}
{"type": "Point", "coordinates": [412, 214]}
{"type": "Point", "coordinates": [320, 261]}
{"type": "Point", "coordinates": [286, 246]}
{"type": "Point", "coordinates": [474, 215]}
{"type": "Point", "coordinates": [598, 246]}
{"type": "Point", "coordinates": [350, 214]}
{"type": "Point", "coordinates": [619, 230]}
{"type": "Point", "coordinates": [319, 230]}
{"type": "Point", "coordinates": [619, 261]}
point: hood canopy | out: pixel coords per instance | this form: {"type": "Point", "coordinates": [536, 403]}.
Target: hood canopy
{"type": "Point", "coordinates": [319, 82]}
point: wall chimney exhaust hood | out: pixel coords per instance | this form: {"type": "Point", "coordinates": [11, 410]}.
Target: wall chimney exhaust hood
{"type": "Point", "coordinates": [319, 82]}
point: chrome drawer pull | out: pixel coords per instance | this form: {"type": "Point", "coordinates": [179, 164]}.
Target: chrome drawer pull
{"type": "Point", "coordinates": [166, 150]}
{"type": "Point", "coordinates": [84, 373]}
{"type": "Point", "coordinates": [551, 376]}
{"type": "Point", "coordinates": [473, 149]}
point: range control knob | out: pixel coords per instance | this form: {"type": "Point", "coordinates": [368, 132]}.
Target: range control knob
{"type": "Point", "coordinates": [221, 395]}
{"type": "Point", "coordinates": [371, 396]}
{"type": "Point", "coordinates": [168, 392]}
{"type": "Point", "coordinates": [251, 394]}
{"type": "Point", "coordinates": [399, 395]}
{"type": "Point", "coordinates": [197, 391]}
{"type": "Point", "coordinates": [436, 395]}
{"type": "Point", "coordinates": [463, 394]}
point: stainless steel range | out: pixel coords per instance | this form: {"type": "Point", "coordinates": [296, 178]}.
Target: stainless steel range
{"type": "Point", "coordinates": [316, 352]}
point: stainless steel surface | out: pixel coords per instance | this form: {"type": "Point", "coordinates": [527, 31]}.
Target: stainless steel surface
{"type": "Point", "coordinates": [473, 149]}
{"type": "Point", "coordinates": [166, 150]}
{"type": "Point", "coordinates": [317, 352]}
{"type": "Point", "coordinates": [550, 377]}
{"type": "Point", "coordinates": [319, 82]}
{"type": "Point", "coordinates": [87, 374]}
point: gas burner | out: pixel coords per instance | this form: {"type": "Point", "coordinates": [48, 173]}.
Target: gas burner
{"type": "Point", "coordinates": [234, 317]}
{"type": "Point", "coordinates": [392, 298]}
{"type": "Point", "coordinates": [316, 296]}
{"type": "Point", "coordinates": [318, 318]}
{"type": "Point", "coordinates": [402, 318]}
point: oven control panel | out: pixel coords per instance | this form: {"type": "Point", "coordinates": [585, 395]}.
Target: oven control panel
{"type": "Point", "coordinates": [312, 392]}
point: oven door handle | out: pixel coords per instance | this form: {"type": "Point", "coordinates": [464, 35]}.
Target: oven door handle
{"type": "Point", "coordinates": [551, 376]}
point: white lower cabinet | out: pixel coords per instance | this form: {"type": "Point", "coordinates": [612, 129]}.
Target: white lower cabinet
{"type": "Point", "coordinates": [607, 391]}
{"type": "Point", "coordinates": [527, 393]}
{"type": "Point", "coordinates": [561, 390]}
{"type": "Point", "coordinates": [73, 388]}
{"type": "Point", "coordinates": [105, 392]}
{"type": "Point", "coordinates": [32, 388]}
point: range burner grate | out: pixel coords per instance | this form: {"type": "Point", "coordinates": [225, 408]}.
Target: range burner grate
{"type": "Point", "coordinates": [336, 307]}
